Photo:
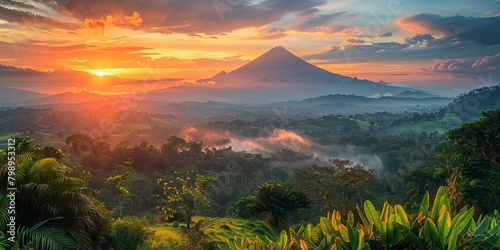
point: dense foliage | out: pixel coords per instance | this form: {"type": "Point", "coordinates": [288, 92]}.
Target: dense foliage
{"type": "Point", "coordinates": [472, 162]}
{"type": "Point", "coordinates": [435, 227]}
{"type": "Point", "coordinates": [285, 169]}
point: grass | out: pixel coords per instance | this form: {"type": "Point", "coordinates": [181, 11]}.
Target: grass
{"type": "Point", "coordinates": [217, 230]}
{"type": "Point", "coordinates": [167, 237]}
{"type": "Point", "coordinates": [221, 229]}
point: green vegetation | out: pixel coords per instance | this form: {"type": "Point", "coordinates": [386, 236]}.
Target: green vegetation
{"type": "Point", "coordinates": [277, 200]}
{"type": "Point", "coordinates": [184, 197]}
{"type": "Point", "coordinates": [236, 183]}
{"type": "Point", "coordinates": [472, 163]}
{"type": "Point", "coordinates": [435, 227]}
{"type": "Point", "coordinates": [334, 186]}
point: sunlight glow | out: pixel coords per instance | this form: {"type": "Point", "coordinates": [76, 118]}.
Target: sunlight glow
{"type": "Point", "coordinates": [99, 72]}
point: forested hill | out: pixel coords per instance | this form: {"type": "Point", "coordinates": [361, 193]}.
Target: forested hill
{"type": "Point", "coordinates": [469, 105]}
{"type": "Point", "coordinates": [465, 108]}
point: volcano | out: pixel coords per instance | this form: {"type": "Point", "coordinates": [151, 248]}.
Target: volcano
{"type": "Point", "coordinates": [279, 68]}
{"type": "Point", "coordinates": [279, 64]}
{"type": "Point", "coordinates": [277, 75]}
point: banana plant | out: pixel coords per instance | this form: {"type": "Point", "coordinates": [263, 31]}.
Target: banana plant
{"type": "Point", "coordinates": [342, 236]}
{"type": "Point", "coordinates": [435, 227]}
{"type": "Point", "coordinates": [389, 226]}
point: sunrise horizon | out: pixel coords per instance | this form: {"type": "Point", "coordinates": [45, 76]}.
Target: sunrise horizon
{"type": "Point", "coordinates": [438, 48]}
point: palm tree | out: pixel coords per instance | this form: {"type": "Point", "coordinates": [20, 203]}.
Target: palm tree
{"type": "Point", "coordinates": [54, 207]}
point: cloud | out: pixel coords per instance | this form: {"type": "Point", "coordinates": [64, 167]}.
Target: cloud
{"type": "Point", "coordinates": [382, 34]}
{"type": "Point", "coordinates": [97, 25]}
{"type": "Point", "coordinates": [483, 31]}
{"type": "Point", "coordinates": [190, 17]}
{"type": "Point", "coordinates": [352, 40]}
{"type": "Point", "coordinates": [468, 67]}
{"type": "Point", "coordinates": [134, 19]}
{"type": "Point", "coordinates": [26, 17]}
{"type": "Point", "coordinates": [268, 33]}
{"type": "Point", "coordinates": [436, 37]}
{"type": "Point", "coordinates": [492, 13]}
{"type": "Point", "coordinates": [419, 39]}
{"type": "Point", "coordinates": [385, 34]}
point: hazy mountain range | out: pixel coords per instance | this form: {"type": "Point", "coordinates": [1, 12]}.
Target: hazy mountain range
{"type": "Point", "coordinates": [276, 76]}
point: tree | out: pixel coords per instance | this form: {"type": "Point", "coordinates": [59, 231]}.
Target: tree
{"type": "Point", "coordinates": [54, 207]}
{"type": "Point", "coordinates": [185, 195]}
{"type": "Point", "coordinates": [276, 199]}
{"type": "Point", "coordinates": [472, 163]}
{"type": "Point", "coordinates": [333, 186]}
{"type": "Point", "coordinates": [118, 182]}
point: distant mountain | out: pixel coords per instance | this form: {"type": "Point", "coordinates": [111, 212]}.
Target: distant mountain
{"type": "Point", "coordinates": [8, 95]}
{"type": "Point", "coordinates": [415, 94]}
{"type": "Point", "coordinates": [280, 72]}
{"type": "Point", "coordinates": [465, 108]}
{"type": "Point", "coordinates": [63, 98]}
{"type": "Point", "coordinates": [280, 65]}
{"type": "Point", "coordinates": [469, 105]}
{"type": "Point", "coordinates": [353, 104]}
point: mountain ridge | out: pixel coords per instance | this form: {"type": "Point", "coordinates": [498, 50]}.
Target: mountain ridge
{"type": "Point", "coordinates": [279, 67]}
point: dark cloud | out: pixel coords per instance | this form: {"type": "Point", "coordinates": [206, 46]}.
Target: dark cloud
{"type": "Point", "coordinates": [400, 52]}
{"type": "Point", "coordinates": [444, 40]}
{"type": "Point", "coordinates": [483, 31]}
{"type": "Point", "coordinates": [385, 34]}
{"type": "Point", "coordinates": [11, 71]}
{"type": "Point", "coordinates": [14, 4]}
{"type": "Point", "coordinates": [419, 39]}
{"type": "Point", "coordinates": [27, 18]}
{"type": "Point", "coordinates": [382, 34]}
{"type": "Point", "coordinates": [352, 40]}
{"type": "Point", "coordinates": [193, 16]}
{"type": "Point", "coordinates": [468, 67]}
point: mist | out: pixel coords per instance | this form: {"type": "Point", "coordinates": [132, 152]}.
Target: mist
{"type": "Point", "coordinates": [280, 139]}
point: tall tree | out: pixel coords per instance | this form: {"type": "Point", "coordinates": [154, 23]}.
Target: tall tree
{"type": "Point", "coordinates": [472, 163]}
{"type": "Point", "coordinates": [185, 195]}
{"type": "Point", "coordinates": [278, 200]}
{"type": "Point", "coordinates": [333, 186]}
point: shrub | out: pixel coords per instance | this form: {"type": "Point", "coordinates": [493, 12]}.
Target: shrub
{"type": "Point", "coordinates": [129, 233]}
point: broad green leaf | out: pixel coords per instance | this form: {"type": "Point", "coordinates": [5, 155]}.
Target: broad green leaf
{"type": "Point", "coordinates": [344, 233]}
{"type": "Point", "coordinates": [424, 206]}
{"type": "Point", "coordinates": [326, 227]}
{"type": "Point", "coordinates": [431, 231]}
{"type": "Point", "coordinates": [384, 233]}
{"type": "Point", "coordinates": [465, 223]}
{"type": "Point", "coordinates": [386, 212]}
{"type": "Point", "coordinates": [482, 226]}
{"type": "Point", "coordinates": [438, 201]}
{"type": "Point", "coordinates": [458, 217]}
{"type": "Point", "coordinates": [282, 241]}
{"type": "Point", "coordinates": [372, 215]}
{"type": "Point", "coordinates": [400, 211]}
{"type": "Point", "coordinates": [452, 240]}
{"type": "Point", "coordinates": [444, 224]}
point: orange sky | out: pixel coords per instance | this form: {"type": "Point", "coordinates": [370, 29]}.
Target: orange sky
{"type": "Point", "coordinates": [398, 42]}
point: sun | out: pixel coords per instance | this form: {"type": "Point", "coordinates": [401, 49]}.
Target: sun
{"type": "Point", "coordinates": [99, 72]}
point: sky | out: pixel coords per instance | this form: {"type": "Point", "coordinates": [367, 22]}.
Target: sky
{"type": "Point", "coordinates": [441, 45]}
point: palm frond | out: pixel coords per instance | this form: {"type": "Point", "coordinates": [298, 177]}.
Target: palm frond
{"type": "Point", "coordinates": [45, 237]}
